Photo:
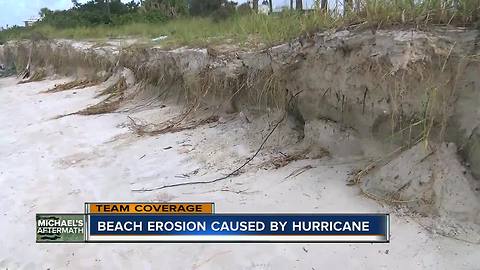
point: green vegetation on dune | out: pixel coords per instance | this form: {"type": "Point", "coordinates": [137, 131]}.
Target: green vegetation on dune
{"type": "Point", "coordinates": [197, 30]}
{"type": "Point", "coordinates": [224, 23]}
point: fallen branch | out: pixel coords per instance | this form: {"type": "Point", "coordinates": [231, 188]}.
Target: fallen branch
{"type": "Point", "coordinates": [234, 172]}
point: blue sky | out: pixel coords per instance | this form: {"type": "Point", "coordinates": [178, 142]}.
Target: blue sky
{"type": "Point", "coordinates": [15, 11]}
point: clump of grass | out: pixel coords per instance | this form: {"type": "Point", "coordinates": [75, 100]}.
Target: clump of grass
{"type": "Point", "coordinates": [271, 92]}
{"type": "Point", "coordinates": [203, 31]}
{"type": "Point", "coordinates": [424, 12]}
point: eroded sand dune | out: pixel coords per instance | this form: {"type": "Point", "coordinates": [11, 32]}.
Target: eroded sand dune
{"type": "Point", "coordinates": [55, 165]}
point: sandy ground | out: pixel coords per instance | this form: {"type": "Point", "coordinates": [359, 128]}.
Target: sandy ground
{"type": "Point", "coordinates": [56, 165]}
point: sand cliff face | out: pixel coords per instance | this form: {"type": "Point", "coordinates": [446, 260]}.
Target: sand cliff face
{"type": "Point", "coordinates": [391, 86]}
{"type": "Point", "coordinates": [352, 93]}
{"type": "Point", "coordinates": [57, 165]}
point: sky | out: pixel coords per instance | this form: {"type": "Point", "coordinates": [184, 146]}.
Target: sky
{"type": "Point", "coordinates": [16, 11]}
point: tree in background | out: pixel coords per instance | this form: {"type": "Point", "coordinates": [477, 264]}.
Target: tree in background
{"type": "Point", "coordinates": [255, 5]}
{"type": "Point", "coordinates": [44, 12]}
{"type": "Point", "coordinates": [169, 8]}
{"type": "Point", "coordinates": [299, 4]}
{"type": "Point", "coordinates": [324, 5]}
{"type": "Point", "coordinates": [347, 6]}
{"type": "Point", "coordinates": [210, 7]}
{"type": "Point", "coordinates": [321, 5]}
{"type": "Point", "coordinates": [75, 3]}
{"type": "Point", "coordinates": [115, 12]}
{"type": "Point", "coordinates": [244, 9]}
{"type": "Point", "coordinates": [204, 7]}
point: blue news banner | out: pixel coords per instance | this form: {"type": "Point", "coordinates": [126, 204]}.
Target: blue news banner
{"type": "Point", "coordinates": [239, 228]}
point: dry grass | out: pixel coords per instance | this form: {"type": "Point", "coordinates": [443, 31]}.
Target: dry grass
{"type": "Point", "coordinates": [115, 89]}
{"type": "Point", "coordinates": [38, 75]}
{"type": "Point", "coordinates": [272, 92]}
{"type": "Point", "coordinates": [116, 95]}
{"type": "Point", "coordinates": [170, 126]}
{"type": "Point", "coordinates": [76, 84]}
{"type": "Point", "coordinates": [106, 106]}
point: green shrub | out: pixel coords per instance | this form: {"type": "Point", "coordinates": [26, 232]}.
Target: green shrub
{"type": "Point", "coordinates": [224, 12]}
{"type": "Point", "coordinates": [244, 9]}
